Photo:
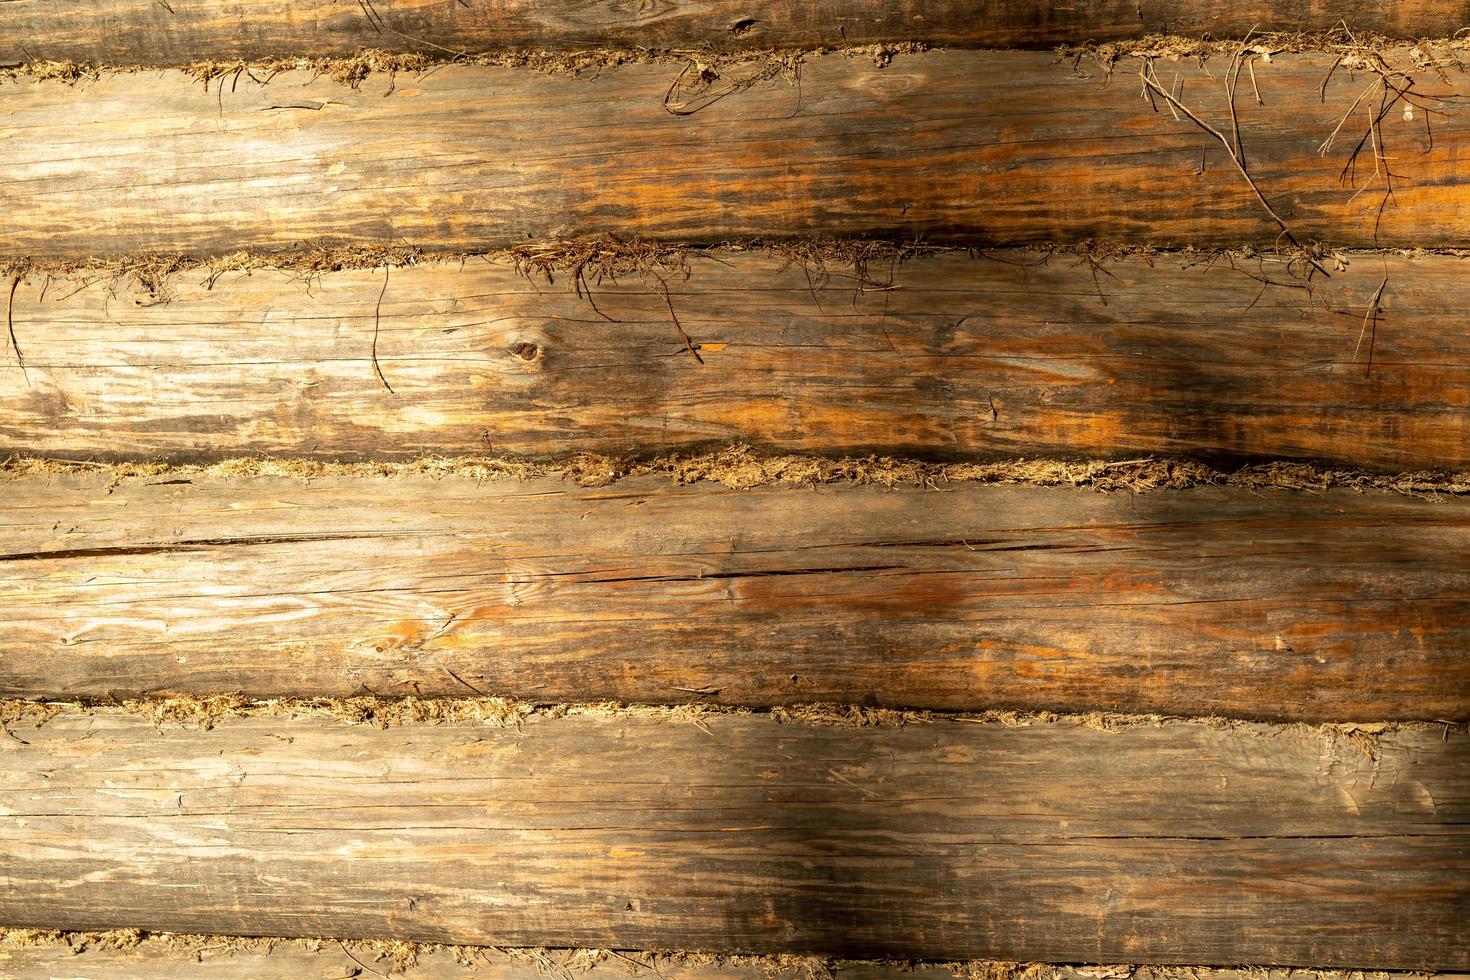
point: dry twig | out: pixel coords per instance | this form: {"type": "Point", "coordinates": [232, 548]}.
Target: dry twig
{"type": "Point", "coordinates": [10, 325]}
{"type": "Point", "coordinates": [1233, 144]}
{"type": "Point", "coordinates": [377, 321]}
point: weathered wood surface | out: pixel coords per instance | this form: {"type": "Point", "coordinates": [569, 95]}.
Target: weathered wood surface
{"type": "Point", "coordinates": [1209, 601]}
{"type": "Point", "coordinates": [951, 145]}
{"type": "Point", "coordinates": [148, 32]}
{"type": "Point", "coordinates": [1178, 844]}
{"type": "Point", "coordinates": [964, 358]}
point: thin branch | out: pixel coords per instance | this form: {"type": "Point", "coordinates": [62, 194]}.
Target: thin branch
{"type": "Point", "coordinates": [1370, 326]}
{"type": "Point", "coordinates": [1151, 83]}
{"type": "Point", "coordinates": [1327, 143]}
{"type": "Point", "coordinates": [10, 323]}
{"type": "Point", "coordinates": [1232, 79]}
{"type": "Point", "coordinates": [1251, 64]}
{"type": "Point", "coordinates": [637, 964]}
{"type": "Point", "coordinates": [668, 301]}
{"type": "Point", "coordinates": [583, 288]}
{"type": "Point", "coordinates": [360, 962]}
{"type": "Point", "coordinates": [377, 321]}
{"type": "Point", "coordinates": [371, 13]}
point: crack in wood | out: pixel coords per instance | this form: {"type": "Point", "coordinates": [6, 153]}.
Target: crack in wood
{"type": "Point", "coordinates": [187, 545]}
{"type": "Point", "coordinates": [762, 573]}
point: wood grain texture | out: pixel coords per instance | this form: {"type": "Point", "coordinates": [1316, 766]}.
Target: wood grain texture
{"type": "Point", "coordinates": [1210, 601]}
{"type": "Point", "coordinates": [963, 358]}
{"type": "Point", "coordinates": [1181, 843]}
{"type": "Point", "coordinates": [148, 32]}
{"type": "Point", "coordinates": [952, 145]}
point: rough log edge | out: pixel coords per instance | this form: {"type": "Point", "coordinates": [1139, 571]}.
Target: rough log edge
{"type": "Point", "coordinates": [400, 956]}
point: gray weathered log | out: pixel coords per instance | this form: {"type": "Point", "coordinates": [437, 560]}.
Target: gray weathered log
{"type": "Point", "coordinates": [1181, 844]}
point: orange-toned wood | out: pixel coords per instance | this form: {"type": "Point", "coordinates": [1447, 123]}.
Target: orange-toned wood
{"type": "Point", "coordinates": [955, 145]}
{"type": "Point", "coordinates": [965, 357]}
{"type": "Point", "coordinates": [1339, 606]}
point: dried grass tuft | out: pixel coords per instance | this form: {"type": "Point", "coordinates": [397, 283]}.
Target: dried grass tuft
{"type": "Point", "coordinates": [1002, 970]}
{"type": "Point", "coordinates": [58, 71]}
{"type": "Point", "coordinates": [14, 711]}
{"type": "Point", "coordinates": [154, 272]}
{"type": "Point", "coordinates": [1099, 721]}
{"type": "Point", "coordinates": [883, 54]}
{"type": "Point", "coordinates": [824, 715]}
{"type": "Point", "coordinates": [77, 942]}
{"type": "Point", "coordinates": [171, 710]}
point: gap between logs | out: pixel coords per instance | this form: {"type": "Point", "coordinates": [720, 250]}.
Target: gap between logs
{"type": "Point", "coordinates": [741, 468]}
{"type": "Point", "coordinates": [399, 956]}
{"type": "Point", "coordinates": [188, 712]}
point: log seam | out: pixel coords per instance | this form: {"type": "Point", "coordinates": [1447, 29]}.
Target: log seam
{"type": "Point", "coordinates": [1357, 50]}
{"type": "Point", "coordinates": [758, 64]}
{"type": "Point", "coordinates": [609, 257]}
{"type": "Point", "coordinates": [742, 468]}
{"type": "Point", "coordinates": [182, 712]}
{"type": "Point", "coordinates": [401, 956]}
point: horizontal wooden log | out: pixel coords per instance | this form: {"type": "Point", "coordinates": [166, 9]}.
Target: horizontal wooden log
{"type": "Point", "coordinates": [148, 32]}
{"type": "Point", "coordinates": [1200, 602]}
{"type": "Point", "coordinates": [222, 958]}
{"type": "Point", "coordinates": [1181, 844]}
{"type": "Point", "coordinates": [966, 357]}
{"type": "Point", "coordinates": [951, 145]}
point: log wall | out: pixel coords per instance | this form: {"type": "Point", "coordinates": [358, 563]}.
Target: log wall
{"type": "Point", "coordinates": [312, 231]}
